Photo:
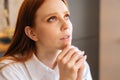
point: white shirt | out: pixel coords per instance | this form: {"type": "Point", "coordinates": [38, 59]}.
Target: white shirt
{"type": "Point", "coordinates": [32, 69]}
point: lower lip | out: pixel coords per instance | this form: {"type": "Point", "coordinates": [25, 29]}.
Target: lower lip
{"type": "Point", "coordinates": [66, 39]}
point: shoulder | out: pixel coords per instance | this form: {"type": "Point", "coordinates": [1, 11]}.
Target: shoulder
{"type": "Point", "coordinates": [4, 61]}
{"type": "Point", "coordinates": [10, 69]}
{"type": "Point", "coordinates": [9, 64]}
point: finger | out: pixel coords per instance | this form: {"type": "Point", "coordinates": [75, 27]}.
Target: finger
{"type": "Point", "coordinates": [79, 51]}
{"type": "Point", "coordinates": [68, 55]}
{"type": "Point", "coordinates": [80, 61]}
{"type": "Point", "coordinates": [67, 48]}
{"type": "Point", "coordinates": [74, 57]}
{"type": "Point", "coordinates": [81, 72]}
{"type": "Point", "coordinates": [63, 52]}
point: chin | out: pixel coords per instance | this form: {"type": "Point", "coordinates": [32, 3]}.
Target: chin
{"type": "Point", "coordinates": [61, 47]}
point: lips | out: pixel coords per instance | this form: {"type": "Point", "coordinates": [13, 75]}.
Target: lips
{"type": "Point", "coordinates": [66, 37]}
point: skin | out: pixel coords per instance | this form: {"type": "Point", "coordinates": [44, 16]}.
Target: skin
{"type": "Point", "coordinates": [52, 34]}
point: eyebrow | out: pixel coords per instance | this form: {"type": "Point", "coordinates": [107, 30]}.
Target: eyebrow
{"type": "Point", "coordinates": [54, 13]}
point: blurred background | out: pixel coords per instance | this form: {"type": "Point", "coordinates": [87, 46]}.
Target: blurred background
{"type": "Point", "coordinates": [96, 30]}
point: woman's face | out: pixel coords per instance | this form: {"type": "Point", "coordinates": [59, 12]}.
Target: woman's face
{"type": "Point", "coordinates": [53, 27]}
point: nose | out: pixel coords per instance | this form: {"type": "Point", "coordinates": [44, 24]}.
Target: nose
{"type": "Point", "coordinates": [66, 25]}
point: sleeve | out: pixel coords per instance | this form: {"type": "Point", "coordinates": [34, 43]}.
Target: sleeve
{"type": "Point", "coordinates": [87, 73]}
{"type": "Point", "coordinates": [10, 73]}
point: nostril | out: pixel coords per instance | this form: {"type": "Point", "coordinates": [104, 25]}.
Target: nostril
{"type": "Point", "coordinates": [65, 26]}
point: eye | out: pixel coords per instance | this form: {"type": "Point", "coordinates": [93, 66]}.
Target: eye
{"type": "Point", "coordinates": [67, 16]}
{"type": "Point", "coordinates": [52, 19]}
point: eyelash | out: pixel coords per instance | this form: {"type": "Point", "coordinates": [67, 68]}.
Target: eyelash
{"type": "Point", "coordinates": [67, 16]}
{"type": "Point", "coordinates": [53, 18]}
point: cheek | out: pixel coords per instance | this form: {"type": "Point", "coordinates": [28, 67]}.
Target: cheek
{"type": "Point", "coordinates": [70, 26]}
{"type": "Point", "coordinates": [46, 35]}
{"type": "Point", "coordinates": [47, 31]}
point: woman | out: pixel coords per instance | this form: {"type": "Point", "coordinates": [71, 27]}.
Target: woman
{"type": "Point", "coordinates": [41, 46]}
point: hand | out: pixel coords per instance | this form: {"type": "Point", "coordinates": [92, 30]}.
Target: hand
{"type": "Point", "coordinates": [70, 62]}
{"type": "Point", "coordinates": [80, 72]}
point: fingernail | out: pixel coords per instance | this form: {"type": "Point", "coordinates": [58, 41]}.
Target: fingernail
{"type": "Point", "coordinates": [85, 57]}
{"type": "Point", "coordinates": [72, 46]}
{"type": "Point", "coordinates": [81, 52]}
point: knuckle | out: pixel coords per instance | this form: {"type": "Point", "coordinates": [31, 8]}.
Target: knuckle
{"type": "Point", "coordinates": [74, 69]}
{"type": "Point", "coordinates": [72, 49]}
{"type": "Point", "coordinates": [83, 65]}
{"type": "Point", "coordinates": [69, 65]}
{"type": "Point", "coordinates": [63, 61]}
{"type": "Point", "coordinates": [58, 59]}
{"type": "Point", "coordinates": [76, 55]}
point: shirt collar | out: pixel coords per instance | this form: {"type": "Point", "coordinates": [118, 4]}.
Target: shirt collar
{"type": "Point", "coordinates": [37, 69]}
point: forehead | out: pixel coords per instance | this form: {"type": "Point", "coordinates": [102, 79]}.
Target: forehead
{"type": "Point", "coordinates": [51, 6]}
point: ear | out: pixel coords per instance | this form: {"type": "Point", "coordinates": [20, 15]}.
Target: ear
{"type": "Point", "coordinates": [30, 33]}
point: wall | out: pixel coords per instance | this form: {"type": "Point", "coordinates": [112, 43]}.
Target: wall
{"type": "Point", "coordinates": [7, 29]}
{"type": "Point", "coordinates": [13, 10]}
{"type": "Point", "coordinates": [3, 23]}
{"type": "Point", "coordinates": [110, 40]}
{"type": "Point", "coordinates": [14, 6]}
{"type": "Point", "coordinates": [85, 19]}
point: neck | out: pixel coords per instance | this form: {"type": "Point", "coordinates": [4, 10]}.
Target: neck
{"type": "Point", "coordinates": [48, 57]}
